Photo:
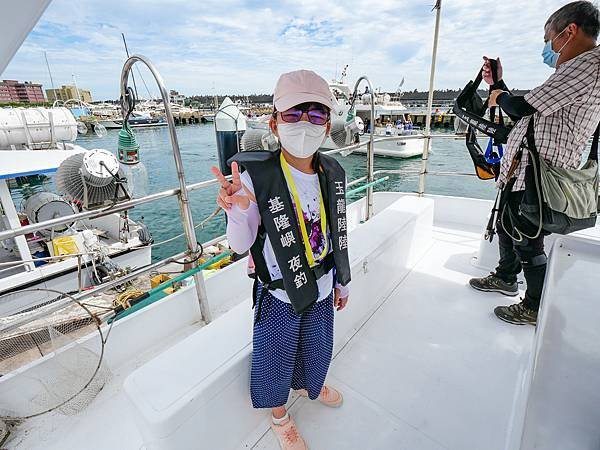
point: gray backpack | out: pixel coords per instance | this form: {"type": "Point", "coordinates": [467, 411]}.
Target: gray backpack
{"type": "Point", "coordinates": [559, 200]}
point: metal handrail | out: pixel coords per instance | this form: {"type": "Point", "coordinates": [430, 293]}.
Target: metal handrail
{"type": "Point", "coordinates": [94, 214]}
{"type": "Point", "coordinates": [183, 190]}
{"type": "Point", "coordinates": [59, 304]}
{"type": "Point", "coordinates": [411, 172]}
{"type": "Point", "coordinates": [122, 206]}
{"type": "Point", "coordinates": [370, 145]}
{"type": "Point", "coordinates": [427, 141]}
{"type": "Point", "coordinates": [184, 203]}
{"type": "Point", "coordinates": [12, 264]}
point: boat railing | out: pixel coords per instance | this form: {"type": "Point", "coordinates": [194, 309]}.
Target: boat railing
{"type": "Point", "coordinates": [126, 205]}
{"type": "Point", "coordinates": [129, 204]}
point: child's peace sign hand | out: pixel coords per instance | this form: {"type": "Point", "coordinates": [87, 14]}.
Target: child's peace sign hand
{"type": "Point", "coordinates": [227, 194]}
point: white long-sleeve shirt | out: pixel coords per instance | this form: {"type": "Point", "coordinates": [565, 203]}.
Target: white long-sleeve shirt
{"type": "Point", "coordinates": [242, 228]}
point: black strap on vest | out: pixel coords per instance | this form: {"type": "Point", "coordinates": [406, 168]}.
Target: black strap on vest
{"type": "Point", "coordinates": [594, 151]}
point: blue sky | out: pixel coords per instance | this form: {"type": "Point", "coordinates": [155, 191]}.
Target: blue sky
{"type": "Point", "coordinates": [232, 46]}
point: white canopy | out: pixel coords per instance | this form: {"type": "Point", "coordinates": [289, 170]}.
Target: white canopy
{"type": "Point", "coordinates": [16, 21]}
{"type": "Point", "coordinates": [20, 163]}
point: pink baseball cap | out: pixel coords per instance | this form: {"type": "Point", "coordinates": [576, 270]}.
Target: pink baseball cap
{"type": "Point", "coordinates": [301, 86]}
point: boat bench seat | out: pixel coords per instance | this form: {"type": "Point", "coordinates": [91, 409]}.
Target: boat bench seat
{"type": "Point", "coordinates": [198, 390]}
{"type": "Point", "coordinates": [182, 394]}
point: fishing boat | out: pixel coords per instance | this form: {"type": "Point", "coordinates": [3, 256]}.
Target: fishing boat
{"type": "Point", "coordinates": [208, 116]}
{"type": "Point", "coordinates": [421, 360]}
{"type": "Point", "coordinates": [37, 142]}
{"type": "Point", "coordinates": [136, 120]}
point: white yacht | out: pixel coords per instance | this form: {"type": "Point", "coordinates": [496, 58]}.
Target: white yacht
{"type": "Point", "coordinates": [385, 110]}
{"type": "Point", "coordinates": [421, 360]}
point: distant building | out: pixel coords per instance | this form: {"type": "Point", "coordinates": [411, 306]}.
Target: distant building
{"type": "Point", "coordinates": [68, 92]}
{"type": "Point", "coordinates": [12, 91]}
{"type": "Point", "coordinates": [177, 98]}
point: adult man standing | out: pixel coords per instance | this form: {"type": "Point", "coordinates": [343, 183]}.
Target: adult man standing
{"type": "Point", "coordinates": [566, 111]}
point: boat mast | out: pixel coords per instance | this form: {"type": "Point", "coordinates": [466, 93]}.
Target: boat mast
{"type": "Point", "coordinates": [51, 79]}
{"type": "Point", "coordinates": [76, 88]}
{"type": "Point", "coordinates": [427, 140]}
{"type": "Point", "coordinates": [132, 75]}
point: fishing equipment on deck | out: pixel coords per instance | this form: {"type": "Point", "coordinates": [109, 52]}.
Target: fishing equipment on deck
{"type": "Point", "coordinates": [43, 206]}
{"type": "Point", "coordinates": [255, 139]}
{"type": "Point", "coordinates": [129, 150]}
{"type": "Point", "coordinates": [51, 336]}
{"type": "Point", "coordinates": [64, 245]}
{"type": "Point", "coordinates": [70, 379]}
{"type": "Point", "coordinates": [128, 147]}
{"type": "Point", "coordinates": [346, 131]}
{"type": "Point", "coordinates": [470, 108]}
{"type": "Point", "coordinates": [92, 179]}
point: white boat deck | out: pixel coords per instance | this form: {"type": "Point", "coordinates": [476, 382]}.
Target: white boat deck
{"type": "Point", "coordinates": [431, 369]}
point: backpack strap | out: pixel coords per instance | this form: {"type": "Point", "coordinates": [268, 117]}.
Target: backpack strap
{"type": "Point", "coordinates": [261, 273]}
{"type": "Point", "coordinates": [594, 151]}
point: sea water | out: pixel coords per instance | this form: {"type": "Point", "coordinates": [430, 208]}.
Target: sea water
{"type": "Point", "coordinates": [198, 152]}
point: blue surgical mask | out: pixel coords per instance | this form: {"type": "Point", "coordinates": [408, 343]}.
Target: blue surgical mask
{"type": "Point", "coordinates": [549, 55]}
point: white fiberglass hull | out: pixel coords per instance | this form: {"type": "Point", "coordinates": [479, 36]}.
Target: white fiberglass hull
{"type": "Point", "coordinates": [408, 148]}
{"type": "Point", "coordinates": [116, 125]}
{"type": "Point", "coordinates": [395, 149]}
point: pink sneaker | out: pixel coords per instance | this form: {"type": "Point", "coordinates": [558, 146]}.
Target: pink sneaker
{"type": "Point", "coordinates": [288, 436]}
{"type": "Point", "coordinates": [329, 396]}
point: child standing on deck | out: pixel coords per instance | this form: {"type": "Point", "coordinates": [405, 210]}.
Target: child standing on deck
{"type": "Point", "coordinates": [289, 209]}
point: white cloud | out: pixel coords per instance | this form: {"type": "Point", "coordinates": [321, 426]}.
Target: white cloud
{"type": "Point", "coordinates": [242, 47]}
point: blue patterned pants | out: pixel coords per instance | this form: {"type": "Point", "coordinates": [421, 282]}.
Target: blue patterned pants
{"type": "Point", "coordinates": [289, 350]}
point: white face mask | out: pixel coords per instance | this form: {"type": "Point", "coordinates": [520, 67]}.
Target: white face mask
{"type": "Point", "coordinates": [302, 139]}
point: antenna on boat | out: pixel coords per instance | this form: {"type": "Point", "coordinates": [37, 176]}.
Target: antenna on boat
{"type": "Point", "coordinates": [50, 74]}
{"type": "Point", "coordinates": [139, 73]}
{"type": "Point", "coordinates": [76, 88]}
{"type": "Point", "coordinates": [132, 75]}
{"type": "Point", "coordinates": [427, 140]}
{"type": "Point", "coordinates": [57, 93]}
{"type": "Point", "coordinates": [399, 88]}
